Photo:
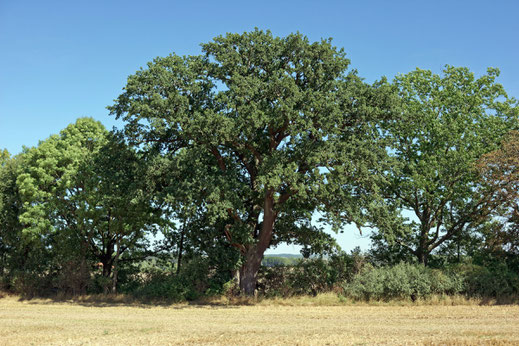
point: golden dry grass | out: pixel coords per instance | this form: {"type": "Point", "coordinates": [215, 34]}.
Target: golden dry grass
{"type": "Point", "coordinates": [269, 322]}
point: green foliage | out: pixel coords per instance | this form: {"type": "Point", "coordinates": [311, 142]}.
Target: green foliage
{"type": "Point", "coordinates": [309, 276]}
{"type": "Point", "coordinates": [26, 266]}
{"type": "Point", "coordinates": [272, 129]}
{"type": "Point", "coordinates": [411, 281]}
{"type": "Point", "coordinates": [196, 279]}
{"type": "Point", "coordinates": [312, 277]}
{"type": "Point", "coordinates": [48, 184]}
{"type": "Point", "coordinates": [448, 122]}
{"type": "Point", "coordinates": [10, 205]}
{"type": "Point", "coordinates": [81, 202]}
{"type": "Point", "coordinates": [239, 148]}
{"type": "Point", "coordinates": [495, 280]}
{"type": "Point", "coordinates": [276, 261]}
{"type": "Point", "coordinates": [402, 281]}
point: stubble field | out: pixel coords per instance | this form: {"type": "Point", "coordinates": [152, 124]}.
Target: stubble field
{"type": "Point", "coordinates": [90, 323]}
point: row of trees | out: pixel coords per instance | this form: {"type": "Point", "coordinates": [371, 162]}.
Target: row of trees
{"type": "Point", "coordinates": [233, 151]}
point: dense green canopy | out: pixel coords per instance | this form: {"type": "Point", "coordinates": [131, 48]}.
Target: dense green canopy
{"type": "Point", "coordinates": [82, 191]}
{"type": "Point", "coordinates": [284, 127]}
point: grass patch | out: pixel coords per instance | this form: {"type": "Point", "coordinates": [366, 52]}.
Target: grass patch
{"type": "Point", "coordinates": [325, 319]}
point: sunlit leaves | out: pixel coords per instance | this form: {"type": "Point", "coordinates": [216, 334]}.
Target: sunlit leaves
{"type": "Point", "coordinates": [449, 121]}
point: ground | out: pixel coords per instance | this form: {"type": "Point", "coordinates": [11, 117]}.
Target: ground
{"type": "Point", "coordinates": [25, 322]}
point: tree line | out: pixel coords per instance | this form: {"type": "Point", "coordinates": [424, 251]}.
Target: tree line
{"type": "Point", "coordinates": [236, 150]}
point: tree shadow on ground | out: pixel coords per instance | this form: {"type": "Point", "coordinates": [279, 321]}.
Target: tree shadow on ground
{"type": "Point", "coordinates": [102, 301]}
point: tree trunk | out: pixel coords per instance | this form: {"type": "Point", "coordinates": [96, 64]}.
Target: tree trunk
{"type": "Point", "coordinates": [116, 267]}
{"type": "Point", "coordinates": [180, 248]}
{"type": "Point", "coordinates": [107, 261]}
{"type": "Point", "coordinates": [422, 251]}
{"type": "Point", "coordinates": [423, 256]}
{"type": "Point", "coordinates": [254, 254]}
{"type": "Point", "coordinates": [114, 279]}
{"type": "Point", "coordinates": [249, 271]}
{"type": "Point", "coordinates": [107, 271]}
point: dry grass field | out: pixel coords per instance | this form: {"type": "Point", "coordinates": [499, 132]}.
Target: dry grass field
{"type": "Point", "coordinates": [305, 322]}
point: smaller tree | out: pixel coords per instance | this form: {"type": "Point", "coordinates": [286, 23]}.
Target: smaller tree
{"type": "Point", "coordinates": [435, 190]}
{"type": "Point", "coordinates": [114, 210]}
{"type": "Point", "coordinates": [179, 187]}
{"type": "Point", "coordinates": [25, 262]}
{"type": "Point", "coordinates": [9, 211]}
{"type": "Point", "coordinates": [82, 194]}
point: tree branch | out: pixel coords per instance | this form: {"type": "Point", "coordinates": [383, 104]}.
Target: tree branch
{"type": "Point", "coordinates": [219, 158]}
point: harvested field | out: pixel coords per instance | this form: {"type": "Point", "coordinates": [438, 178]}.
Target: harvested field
{"type": "Point", "coordinates": [79, 323]}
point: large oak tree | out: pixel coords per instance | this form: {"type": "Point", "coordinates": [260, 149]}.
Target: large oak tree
{"type": "Point", "coordinates": [281, 126]}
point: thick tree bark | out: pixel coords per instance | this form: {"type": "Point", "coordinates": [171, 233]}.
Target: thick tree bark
{"type": "Point", "coordinates": [107, 262]}
{"type": "Point", "coordinates": [254, 253]}
{"type": "Point", "coordinates": [422, 252]}
{"type": "Point", "coordinates": [249, 271]}
{"type": "Point", "coordinates": [107, 271]}
{"type": "Point", "coordinates": [423, 256]}
{"type": "Point", "coordinates": [116, 267]}
{"type": "Point", "coordinates": [180, 249]}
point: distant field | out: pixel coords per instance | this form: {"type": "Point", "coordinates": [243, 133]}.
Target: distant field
{"type": "Point", "coordinates": [46, 322]}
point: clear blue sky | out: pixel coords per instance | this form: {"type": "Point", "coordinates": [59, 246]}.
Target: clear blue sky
{"type": "Point", "coordinates": [63, 60]}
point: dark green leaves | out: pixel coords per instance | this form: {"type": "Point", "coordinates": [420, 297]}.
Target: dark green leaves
{"type": "Point", "coordinates": [278, 114]}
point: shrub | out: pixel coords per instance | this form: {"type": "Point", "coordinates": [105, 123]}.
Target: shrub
{"type": "Point", "coordinates": [402, 281]}
{"type": "Point", "coordinates": [496, 280]}
{"type": "Point", "coordinates": [446, 282]}
{"type": "Point", "coordinates": [164, 286]}
{"type": "Point", "coordinates": [273, 281]}
{"type": "Point", "coordinates": [197, 278]}
{"type": "Point", "coordinates": [311, 277]}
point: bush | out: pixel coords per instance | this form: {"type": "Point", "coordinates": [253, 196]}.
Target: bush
{"type": "Point", "coordinates": [402, 281]}
{"type": "Point", "coordinates": [446, 282]}
{"type": "Point", "coordinates": [273, 281]}
{"type": "Point", "coordinates": [308, 277]}
{"type": "Point", "coordinates": [30, 284]}
{"type": "Point", "coordinates": [165, 286]}
{"type": "Point", "coordinates": [496, 280]}
{"type": "Point", "coordinates": [197, 278]}
{"type": "Point", "coordinates": [362, 281]}
{"type": "Point", "coordinates": [369, 284]}
{"type": "Point", "coordinates": [311, 277]}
